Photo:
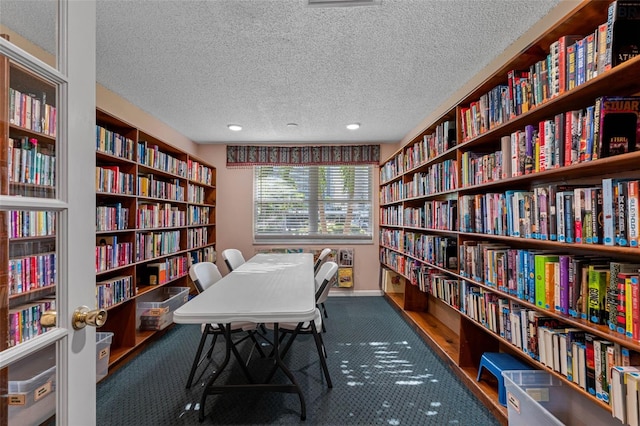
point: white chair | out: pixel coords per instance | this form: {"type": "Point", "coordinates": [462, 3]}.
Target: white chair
{"type": "Point", "coordinates": [320, 260]}
{"type": "Point", "coordinates": [316, 269]}
{"type": "Point", "coordinates": [204, 275]}
{"type": "Point", "coordinates": [320, 275]}
{"type": "Point", "coordinates": [233, 258]}
{"type": "Point", "coordinates": [324, 277]}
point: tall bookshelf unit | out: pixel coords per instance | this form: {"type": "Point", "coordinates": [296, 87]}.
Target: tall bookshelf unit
{"type": "Point", "coordinates": [417, 181]}
{"type": "Point", "coordinates": [155, 216]}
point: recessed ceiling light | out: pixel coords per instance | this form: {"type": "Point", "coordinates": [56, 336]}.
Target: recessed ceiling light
{"type": "Point", "coordinates": [292, 125]}
{"type": "Point", "coordinates": [234, 127]}
{"type": "Point", "coordinates": [353, 126]}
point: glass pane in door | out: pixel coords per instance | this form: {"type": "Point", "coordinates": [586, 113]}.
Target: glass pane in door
{"type": "Point", "coordinates": [32, 271]}
{"type": "Point", "coordinates": [31, 391]}
{"type": "Point", "coordinates": [30, 165]}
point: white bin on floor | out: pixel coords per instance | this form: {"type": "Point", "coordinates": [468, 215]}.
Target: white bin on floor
{"type": "Point", "coordinates": [535, 397]}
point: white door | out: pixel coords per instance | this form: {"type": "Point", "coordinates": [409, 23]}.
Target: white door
{"type": "Point", "coordinates": [47, 207]}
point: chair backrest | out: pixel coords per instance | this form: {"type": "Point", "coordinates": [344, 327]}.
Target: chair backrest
{"type": "Point", "coordinates": [204, 275]}
{"type": "Point", "coordinates": [325, 275]}
{"type": "Point", "coordinates": [233, 258]}
{"type": "Point", "coordinates": [323, 255]}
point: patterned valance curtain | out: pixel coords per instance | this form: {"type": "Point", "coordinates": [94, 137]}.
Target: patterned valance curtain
{"type": "Point", "coordinates": [246, 156]}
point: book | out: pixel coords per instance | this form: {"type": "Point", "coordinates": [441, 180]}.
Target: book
{"type": "Point", "coordinates": [544, 279]}
{"type": "Point", "coordinates": [589, 342]}
{"type": "Point", "coordinates": [633, 407]}
{"type": "Point", "coordinates": [602, 47]}
{"type": "Point", "coordinates": [345, 277]}
{"type": "Point", "coordinates": [623, 232]}
{"type": "Point", "coordinates": [616, 285]}
{"type": "Point", "coordinates": [623, 32]}
{"type": "Point", "coordinates": [619, 125]}
{"type": "Point", "coordinates": [618, 393]}
{"type": "Point", "coordinates": [633, 214]}
{"type": "Point", "coordinates": [598, 283]}
{"type": "Point", "coordinates": [156, 273]}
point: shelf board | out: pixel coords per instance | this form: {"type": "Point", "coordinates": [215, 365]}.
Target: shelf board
{"type": "Point", "coordinates": [442, 339]}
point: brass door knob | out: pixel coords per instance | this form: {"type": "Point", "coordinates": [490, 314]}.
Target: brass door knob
{"type": "Point", "coordinates": [82, 316]}
{"type": "Point", "coordinates": [48, 319]}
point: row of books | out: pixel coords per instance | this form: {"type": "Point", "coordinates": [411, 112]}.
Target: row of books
{"type": "Point", "coordinates": [150, 245]}
{"type": "Point", "coordinates": [394, 260]}
{"type": "Point", "coordinates": [198, 215]}
{"type": "Point", "coordinates": [24, 321]}
{"type": "Point", "coordinates": [112, 180]}
{"type": "Point", "coordinates": [30, 273]}
{"type": "Point", "coordinates": [479, 168]}
{"type": "Point", "coordinates": [114, 143]}
{"type": "Point", "coordinates": [31, 162]}
{"type": "Point", "coordinates": [118, 145]}
{"type": "Point", "coordinates": [391, 215]}
{"type": "Point", "coordinates": [150, 186]}
{"type": "Point", "coordinates": [110, 253]}
{"type": "Point", "coordinates": [159, 273]}
{"type": "Point", "coordinates": [114, 290]}
{"type": "Point", "coordinates": [436, 250]}
{"type": "Point", "coordinates": [152, 156]}
{"type": "Point", "coordinates": [198, 172]}
{"type": "Point", "coordinates": [438, 178]}
{"type": "Point", "coordinates": [159, 215]}
{"type": "Point", "coordinates": [205, 254]}
{"type": "Point", "coordinates": [32, 112]}
{"type": "Point", "coordinates": [393, 192]}
{"type": "Point", "coordinates": [392, 168]}
{"type": "Point", "coordinates": [438, 284]}
{"type": "Point", "coordinates": [196, 194]}
{"type": "Point", "coordinates": [599, 214]}
{"type": "Point", "coordinates": [112, 217]}
{"type": "Point", "coordinates": [197, 237]}
{"type": "Point", "coordinates": [610, 127]}
{"type": "Point", "coordinates": [31, 223]}
{"type": "Point", "coordinates": [433, 215]}
{"type": "Point", "coordinates": [431, 145]}
{"type": "Point", "coordinates": [572, 60]}
{"type": "Point", "coordinates": [600, 290]}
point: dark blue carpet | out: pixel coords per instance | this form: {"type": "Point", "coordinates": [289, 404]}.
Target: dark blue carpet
{"type": "Point", "coordinates": [382, 372]}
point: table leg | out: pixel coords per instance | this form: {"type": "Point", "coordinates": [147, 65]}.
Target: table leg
{"type": "Point", "coordinates": [287, 372]}
{"type": "Point", "coordinates": [227, 356]}
{"type": "Point", "coordinates": [291, 388]}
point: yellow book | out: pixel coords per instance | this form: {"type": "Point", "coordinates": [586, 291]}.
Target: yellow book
{"type": "Point", "coordinates": [345, 277]}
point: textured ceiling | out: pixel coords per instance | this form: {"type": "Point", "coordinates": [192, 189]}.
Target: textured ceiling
{"type": "Point", "coordinates": [201, 65]}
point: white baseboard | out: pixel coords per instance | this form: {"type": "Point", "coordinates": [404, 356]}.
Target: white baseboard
{"type": "Point", "coordinates": [351, 293]}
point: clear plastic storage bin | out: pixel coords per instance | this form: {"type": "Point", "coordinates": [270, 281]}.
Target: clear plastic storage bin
{"type": "Point", "coordinates": [32, 386]}
{"type": "Point", "coordinates": [155, 309]}
{"type": "Point", "coordinates": [535, 397]}
{"type": "Point", "coordinates": [103, 350]}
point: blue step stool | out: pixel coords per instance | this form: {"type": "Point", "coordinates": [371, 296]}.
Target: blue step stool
{"type": "Point", "coordinates": [496, 363]}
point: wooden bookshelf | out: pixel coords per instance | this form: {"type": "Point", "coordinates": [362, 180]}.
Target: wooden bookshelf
{"type": "Point", "coordinates": [166, 216]}
{"type": "Point", "coordinates": [457, 337]}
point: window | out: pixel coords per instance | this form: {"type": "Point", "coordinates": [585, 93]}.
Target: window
{"type": "Point", "coordinates": [312, 203]}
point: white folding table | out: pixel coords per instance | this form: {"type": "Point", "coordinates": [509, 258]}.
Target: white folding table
{"type": "Point", "coordinates": [268, 288]}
